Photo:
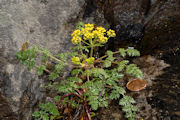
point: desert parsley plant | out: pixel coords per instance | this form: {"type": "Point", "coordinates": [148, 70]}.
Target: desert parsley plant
{"type": "Point", "coordinates": [93, 82]}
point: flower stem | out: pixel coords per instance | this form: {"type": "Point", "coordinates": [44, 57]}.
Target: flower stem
{"type": "Point", "coordinates": [87, 71]}
{"type": "Point", "coordinates": [106, 56]}
{"type": "Point", "coordinates": [92, 46]}
{"type": "Point", "coordinates": [44, 69]}
{"type": "Point", "coordinates": [80, 48]}
{"type": "Point", "coordinates": [85, 42]}
{"type": "Point", "coordinates": [91, 54]}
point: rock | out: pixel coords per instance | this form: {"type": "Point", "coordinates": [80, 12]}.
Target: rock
{"type": "Point", "coordinates": [149, 25]}
{"type": "Point", "coordinates": [151, 67]}
{"type": "Point", "coordinates": [43, 23]}
{"type": "Point", "coordinates": [5, 109]}
{"type": "Point", "coordinates": [117, 116]}
{"type": "Point", "coordinates": [126, 18]}
{"type": "Point", "coordinates": [161, 27]}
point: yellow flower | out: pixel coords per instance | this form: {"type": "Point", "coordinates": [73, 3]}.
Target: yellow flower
{"type": "Point", "coordinates": [89, 32]}
{"type": "Point", "coordinates": [90, 60]}
{"type": "Point", "coordinates": [76, 39]}
{"type": "Point", "coordinates": [76, 33]}
{"type": "Point", "coordinates": [96, 33]}
{"type": "Point", "coordinates": [88, 35]}
{"type": "Point", "coordinates": [89, 27]}
{"type": "Point", "coordinates": [111, 33]}
{"type": "Point", "coordinates": [83, 31]}
{"type": "Point", "coordinates": [75, 60]}
{"type": "Point", "coordinates": [101, 29]}
{"type": "Point", "coordinates": [102, 39]}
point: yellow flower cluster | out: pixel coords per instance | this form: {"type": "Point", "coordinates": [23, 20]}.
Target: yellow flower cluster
{"type": "Point", "coordinates": [89, 27]}
{"type": "Point", "coordinates": [75, 60]}
{"type": "Point", "coordinates": [76, 33]}
{"type": "Point", "coordinates": [76, 37]}
{"type": "Point", "coordinates": [111, 33]}
{"type": "Point", "coordinates": [88, 35]}
{"type": "Point", "coordinates": [101, 29]}
{"type": "Point", "coordinates": [90, 32]}
{"type": "Point", "coordinates": [90, 60]}
{"type": "Point", "coordinates": [99, 33]}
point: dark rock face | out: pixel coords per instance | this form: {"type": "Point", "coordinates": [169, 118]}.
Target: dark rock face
{"type": "Point", "coordinates": [126, 17]}
{"type": "Point", "coordinates": [162, 31]}
{"type": "Point", "coordinates": [43, 23]}
{"type": "Point", "coordinates": [150, 24]}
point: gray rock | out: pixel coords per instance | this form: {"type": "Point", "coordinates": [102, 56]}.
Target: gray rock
{"type": "Point", "coordinates": [43, 23]}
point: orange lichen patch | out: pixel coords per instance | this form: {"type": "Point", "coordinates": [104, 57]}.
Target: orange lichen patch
{"type": "Point", "coordinates": [24, 46]}
{"type": "Point", "coordinates": [136, 85]}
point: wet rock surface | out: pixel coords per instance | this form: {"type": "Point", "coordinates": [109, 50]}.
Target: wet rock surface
{"type": "Point", "coordinates": [166, 89]}
{"type": "Point", "coordinates": [149, 25]}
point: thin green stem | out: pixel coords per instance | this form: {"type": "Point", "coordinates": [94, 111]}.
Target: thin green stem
{"type": "Point", "coordinates": [80, 48]}
{"type": "Point", "coordinates": [44, 69]}
{"type": "Point", "coordinates": [106, 56]}
{"type": "Point", "coordinates": [85, 42]}
{"type": "Point", "coordinates": [87, 71]}
{"type": "Point", "coordinates": [91, 54]}
{"type": "Point", "coordinates": [101, 61]}
{"type": "Point", "coordinates": [56, 59]}
{"type": "Point", "coordinates": [92, 46]}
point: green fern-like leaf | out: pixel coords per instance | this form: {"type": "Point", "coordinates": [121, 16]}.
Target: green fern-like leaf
{"type": "Point", "coordinates": [110, 56]}
{"type": "Point", "coordinates": [51, 108]}
{"type": "Point", "coordinates": [128, 107]}
{"type": "Point", "coordinates": [47, 109]}
{"type": "Point", "coordinates": [53, 76]}
{"type": "Point", "coordinates": [114, 75]}
{"type": "Point", "coordinates": [103, 102]}
{"type": "Point", "coordinates": [57, 98]}
{"type": "Point", "coordinates": [110, 82]}
{"type": "Point", "coordinates": [126, 100]}
{"type": "Point", "coordinates": [40, 69]}
{"type": "Point", "coordinates": [97, 72]}
{"type": "Point", "coordinates": [64, 88]}
{"type": "Point", "coordinates": [133, 52]}
{"type": "Point", "coordinates": [133, 70]}
{"type": "Point", "coordinates": [120, 90]}
{"type": "Point", "coordinates": [94, 104]}
{"type": "Point", "coordinates": [114, 94]}
{"type": "Point", "coordinates": [36, 114]}
{"type": "Point", "coordinates": [74, 79]}
{"type": "Point", "coordinates": [59, 67]}
{"type": "Point", "coordinates": [80, 25]}
{"type": "Point", "coordinates": [109, 53]}
{"type": "Point", "coordinates": [122, 64]}
{"type": "Point", "coordinates": [76, 71]}
{"type": "Point", "coordinates": [107, 63]}
{"type": "Point", "coordinates": [44, 115]}
{"type": "Point", "coordinates": [62, 56]}
{"type": "Point", "coordinates": [122, 52]}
